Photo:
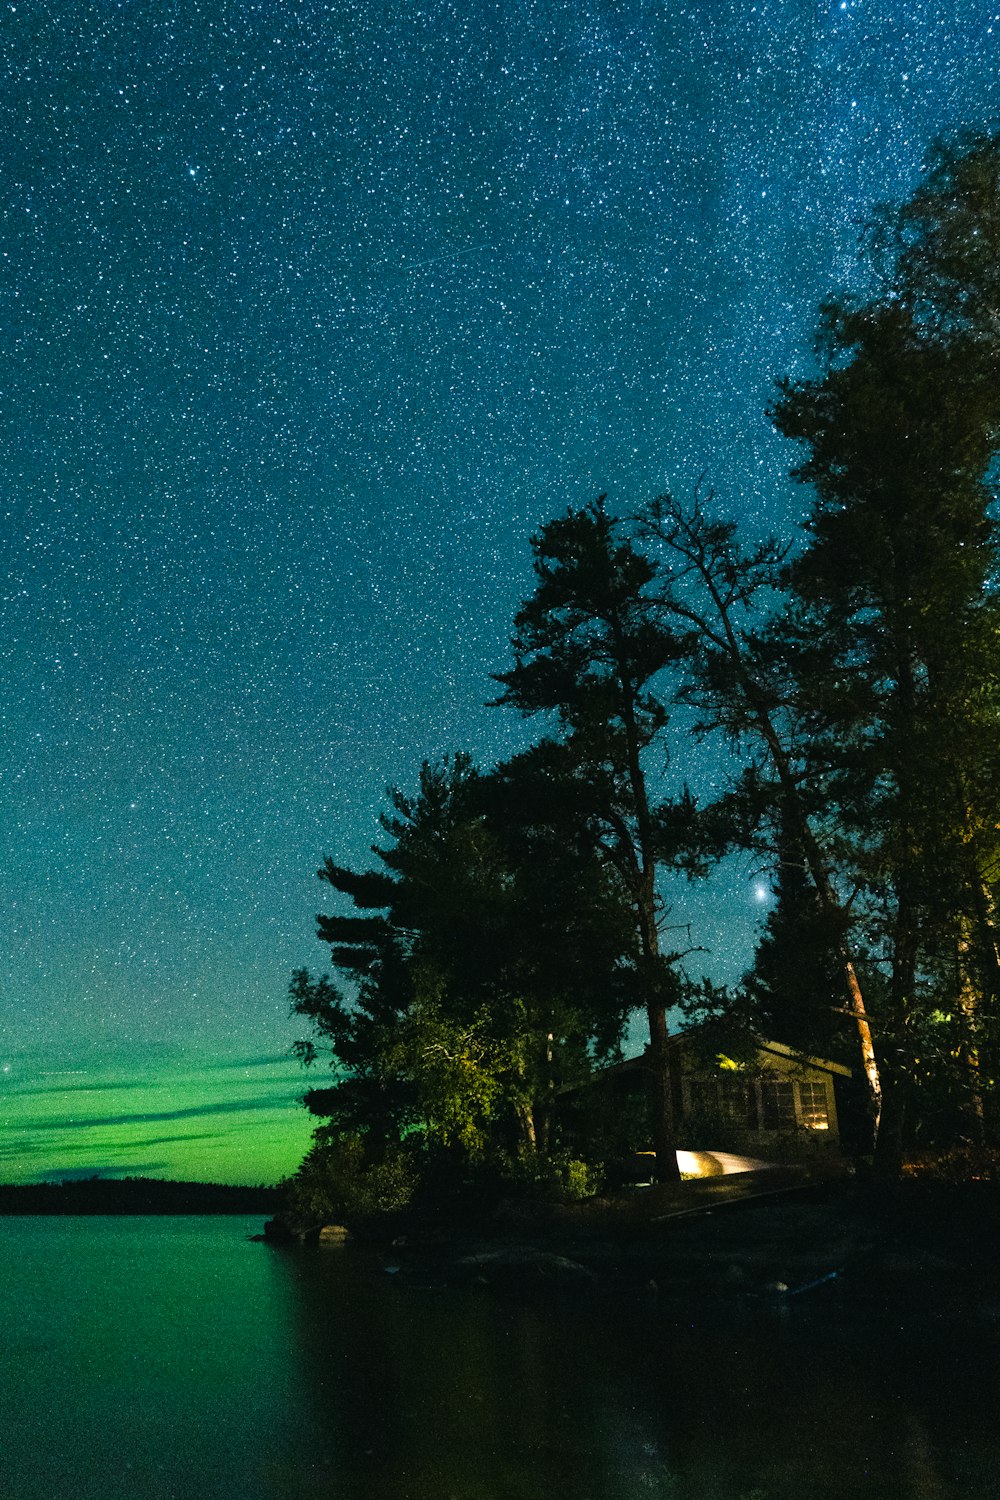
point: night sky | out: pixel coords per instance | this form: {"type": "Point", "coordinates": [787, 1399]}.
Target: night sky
{"type": "Point", "coordinates": [310, 314]}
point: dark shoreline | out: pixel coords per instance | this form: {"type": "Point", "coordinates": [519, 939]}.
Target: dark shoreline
{"type": "Point", "coordinates": [921, 1249]}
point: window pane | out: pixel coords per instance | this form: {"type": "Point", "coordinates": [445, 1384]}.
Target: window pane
{"type": "Point", "coordinates": [703, 1094]}
{"type": "Point", "coordinates": [815, 1113]}
{"type": "Point", "coordinates": [777, 1103]}
{"type": "Point", "coordinates": [735, 1100]}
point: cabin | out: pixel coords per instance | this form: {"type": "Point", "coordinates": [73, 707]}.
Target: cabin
{"type": "Point", "coordinates": [774, 1103]}
{"type": "Point", "coordinates": [757, 1098]}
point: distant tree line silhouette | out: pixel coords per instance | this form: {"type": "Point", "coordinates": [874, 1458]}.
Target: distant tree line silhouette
{"type": "Point", "coordinates": [135, 1195]}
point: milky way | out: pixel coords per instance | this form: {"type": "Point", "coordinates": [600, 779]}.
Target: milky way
{"type": "Point", "coordinates": [310, 314]}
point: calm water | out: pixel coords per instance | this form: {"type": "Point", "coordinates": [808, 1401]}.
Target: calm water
{"type": "Point", "coordinates": [154, 1357]}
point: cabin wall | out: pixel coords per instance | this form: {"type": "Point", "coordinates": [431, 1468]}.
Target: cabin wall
{"type": "Point", "coordinates": [779, 1106]}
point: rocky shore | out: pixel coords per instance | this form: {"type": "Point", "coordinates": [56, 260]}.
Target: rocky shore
{"type": "Point", "coordinates": [913, 1247]}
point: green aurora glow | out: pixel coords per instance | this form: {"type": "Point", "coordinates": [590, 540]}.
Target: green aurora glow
{"type": "Point", "coordinates": [170, 1112]}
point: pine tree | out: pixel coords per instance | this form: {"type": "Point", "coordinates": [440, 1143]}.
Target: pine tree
{"type": "Point", "coordinates": [795, 988]}
{"type": "Point", "coordinates": [490, 958]}
{"type": "Point", "coordinates": [892, 595]}
{"type": "Point", "coordinates": [590, 649]}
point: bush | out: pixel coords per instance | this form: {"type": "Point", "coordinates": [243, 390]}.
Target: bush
{"type": "Point", "coordinates": [962, 1163]}
{"type": "Point", "coordinates": [339, 1181]}
{"type": "Point", "coordinates": [559, 1178]}
{"type": "Point", "coordinates": [579, 1179]}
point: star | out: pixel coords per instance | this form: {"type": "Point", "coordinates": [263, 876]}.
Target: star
{"type": "Point", "coordinates": [273, 451]}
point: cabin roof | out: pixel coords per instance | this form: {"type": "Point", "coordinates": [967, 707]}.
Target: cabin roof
{"type": "Point", "coordinates": [778, 1049]}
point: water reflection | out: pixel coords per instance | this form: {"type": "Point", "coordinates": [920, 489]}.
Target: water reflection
{"type": "Point", "coordinates": [171, 1360]}
{"type": "Point", "coordinates": [431, 1394]}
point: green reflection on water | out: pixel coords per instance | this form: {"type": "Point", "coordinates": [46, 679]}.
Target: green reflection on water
{"type": "Point", "coordinates": [170, 1358]}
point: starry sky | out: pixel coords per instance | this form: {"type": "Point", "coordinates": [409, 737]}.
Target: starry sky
{"type": "Point", "coordinates": [310, 314]}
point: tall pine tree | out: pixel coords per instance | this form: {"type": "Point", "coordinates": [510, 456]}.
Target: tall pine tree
{"type": "Point", "coordinates": [590, 648]}
{"type": "Point", "coordinates": [893, 613]}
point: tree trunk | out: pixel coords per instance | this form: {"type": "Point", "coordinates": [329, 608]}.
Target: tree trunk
{"type": "Point", "coordinates": [661, 1108]}
{"type": "Point", "coordinates": [661, 1113]}
{"type": "Point", "coordinates": [888, 1158]}
{"type": "Point", "coordinates": [970, 1045]}
{"type": "Point", "coordinates": [986, 912]}
{"type": "Point", "coordinates": [978, 980]}
{"type": "Point", "coordinates": [895, 1030]}
{"type": "Point", "coordinates": [869, 1062]}
{"type": "Point", "coordinates": [660, 1100]}
{"type": "Point", "coordinates": [527, 1117]}
{"type": "Point", "coordinates": [545, 1112]}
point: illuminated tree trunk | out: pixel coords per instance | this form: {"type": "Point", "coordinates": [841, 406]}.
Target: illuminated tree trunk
{"type": "Point", "coordinates": [726, 579]}
{"type": "Point", "coordinates": [969, 1001]}
{"type": "Point", "coordinates": [526, 1114]}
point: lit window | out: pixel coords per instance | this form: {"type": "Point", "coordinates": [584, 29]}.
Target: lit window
{"type": "Point", "coordinates": [815, 1114]}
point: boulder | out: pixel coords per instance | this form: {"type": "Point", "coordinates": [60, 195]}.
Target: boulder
{"type": "Point", "coordinates": [334, 1234]}
{"type": "Point", "coordinates": [520, 1268]}
{"type": "Point", "coordinates": [278, 1232]}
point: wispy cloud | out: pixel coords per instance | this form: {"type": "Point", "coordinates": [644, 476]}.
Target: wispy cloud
{"type": "Point", "coordinates": [219, 1107]}
{"type": "Point", "coordinates": [137, 1169]}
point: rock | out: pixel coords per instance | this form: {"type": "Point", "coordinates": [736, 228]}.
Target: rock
{"type": "Point", "coordinates": [334, 1234]}
{"type": "Point", "coordinates": [278, 1232]}
{"type": "Point", "coordinates": [521, 1268]}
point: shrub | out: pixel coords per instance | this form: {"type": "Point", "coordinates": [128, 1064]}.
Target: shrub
{"type": "Point", "coordinates": [559, 1178]}
{"type": "Point", "coordinates": [578, 1179]}
{"type": "Point", "coordinates": [339, 1181]}
{"type": "Point", "coordinates": [962, 1163]}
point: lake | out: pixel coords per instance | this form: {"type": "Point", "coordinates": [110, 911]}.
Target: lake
{"type": "Point", "coordinates": [171, 1359]}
